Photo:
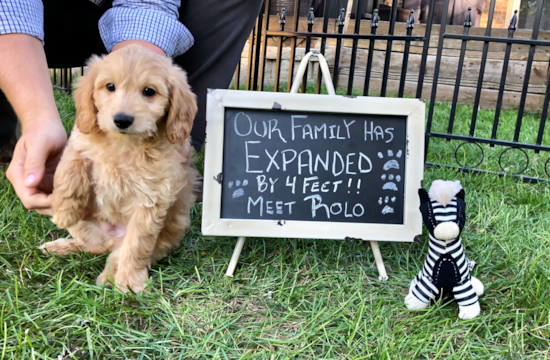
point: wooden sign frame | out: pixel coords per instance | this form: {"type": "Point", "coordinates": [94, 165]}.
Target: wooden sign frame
{"type": "Point", "coordinates": [219, 100]}
{"type": "Point", "coordinates": [413, 110]}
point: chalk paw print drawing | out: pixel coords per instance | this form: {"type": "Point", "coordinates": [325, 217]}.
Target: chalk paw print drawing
{"type": "Point", "coordinates": [387, 208]}
{"type": "Point", "coordinates": [391, 181]}
{"type": "Point", "coordinates": [239, 191]}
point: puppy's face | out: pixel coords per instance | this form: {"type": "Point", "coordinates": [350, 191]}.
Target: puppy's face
{"type": "Point", "coordinates": [134, 92]}
{"type": "Point", "coordinates": [131, 96]}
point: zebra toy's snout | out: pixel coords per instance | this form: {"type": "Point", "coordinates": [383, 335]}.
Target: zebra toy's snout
{"type": "Point", "coordinates": [446, 231]}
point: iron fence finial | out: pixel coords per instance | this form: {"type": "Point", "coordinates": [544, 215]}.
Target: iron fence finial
{"type": "Point", "coordinates": [342, 17]}
{"type": "Point", "coordinates": [282, 16]}
{"type": "Point", "coordinates": [468, 20]}
{"type": "Point", "coordinates": [513, 21]}
{"type": "Point", "coordinates": [310, 17]}
{"type": "Point", "coordinates": [410, 20]}
{"type": "Point", "coordinates": [375, 19]}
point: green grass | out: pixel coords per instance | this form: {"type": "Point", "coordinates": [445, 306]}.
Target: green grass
{"type": "Point", "coordinates": [297, 299]}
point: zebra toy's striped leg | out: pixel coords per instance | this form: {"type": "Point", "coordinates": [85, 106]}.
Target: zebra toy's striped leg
{"type": "Point", "coordinates": [421, 291]}
{"type": "Point", "coordinates": [478, 286]}
{"type": "Point", "coordinates": [467, 300]}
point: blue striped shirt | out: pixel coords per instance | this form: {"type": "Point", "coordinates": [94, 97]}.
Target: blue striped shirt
{"type": "Point", "coordinates": [154, 21]}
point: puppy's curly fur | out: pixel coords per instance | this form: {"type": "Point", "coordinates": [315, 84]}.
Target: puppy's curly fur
{"type": "Point", "coordinates": [133, 180]}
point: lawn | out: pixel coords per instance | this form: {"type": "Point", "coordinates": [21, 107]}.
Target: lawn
{"type": "Point", "coordinates": [299, 299]}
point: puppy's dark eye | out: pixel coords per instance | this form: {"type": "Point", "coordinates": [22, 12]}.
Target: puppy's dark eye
{"type": "Point", "coordinates": [110, 87]}
{"type": "Point", "coordinates": [149, 92]}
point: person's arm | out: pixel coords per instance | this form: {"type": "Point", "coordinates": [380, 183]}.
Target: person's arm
{"type": "Point", "coordinates": [24, 78]}
{"type": "Point", "coordinates": [153, 23]}
{"type": "Point", "coordinates": [145, 44]}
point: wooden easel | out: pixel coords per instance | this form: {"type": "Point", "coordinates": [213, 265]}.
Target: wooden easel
{"type": "Point", "coordinates": [294, 90]}
{"type": "Point", "coordinates": [383, 276]}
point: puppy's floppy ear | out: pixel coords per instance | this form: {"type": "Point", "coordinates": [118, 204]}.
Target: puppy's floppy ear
{"type": "Point", "coordinates": [182, 108]}
{"type": "Point", "coordinates": [86, 112]}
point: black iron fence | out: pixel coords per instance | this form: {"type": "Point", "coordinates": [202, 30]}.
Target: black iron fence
{"type": "Point", "coordinates": [483, 142]}
{"type": "Point", "coordinates": [492, 139]}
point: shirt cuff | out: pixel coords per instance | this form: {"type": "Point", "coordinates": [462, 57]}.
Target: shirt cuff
{"type": "Point", "coordinates": [150, 25]}
{"type": "Point", "coordinates": [22, 17]}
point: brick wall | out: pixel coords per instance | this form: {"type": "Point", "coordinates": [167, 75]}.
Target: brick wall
{"type": "Point", "coordinates": [499, 19]}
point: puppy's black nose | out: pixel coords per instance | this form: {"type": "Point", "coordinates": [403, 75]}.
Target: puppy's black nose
{"type": "Point", "coordinates": [123, 121]}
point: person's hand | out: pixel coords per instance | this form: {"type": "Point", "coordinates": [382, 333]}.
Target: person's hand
{"type": "Point", "coordinates": [35, 158]}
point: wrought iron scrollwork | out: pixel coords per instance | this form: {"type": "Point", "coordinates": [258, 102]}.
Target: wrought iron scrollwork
{"type": "Point", "coordinates": [473, 166]}
{"type": "Point", "coordinates": [546, 167]}
{"type": "Point", "coordinates": [513, 173]}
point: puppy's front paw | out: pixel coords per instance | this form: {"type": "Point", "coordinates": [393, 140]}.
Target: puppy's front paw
{"type": "Point", "coordinates": [469, 312]}
{"type": "Point", "coordinates": [67, 216]}
{"type": "Point", "coordinates": [413, 303]}
{"type": "Point", "coordinates": [67, 211]}
{"type": "Point", "coordinates": [108, 274]}
{"type": "Point", "coordinates": [136, 280]}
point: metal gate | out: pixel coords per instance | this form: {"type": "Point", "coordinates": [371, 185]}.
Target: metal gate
{"type": "Point", "coordinates": [487, 146]}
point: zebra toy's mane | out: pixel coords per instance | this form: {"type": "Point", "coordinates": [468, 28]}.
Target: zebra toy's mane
{"type": "Point", "coordinates": [444, 191]}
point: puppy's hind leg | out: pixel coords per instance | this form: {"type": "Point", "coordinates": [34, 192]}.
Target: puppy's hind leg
{"type": "Point", "coordinates": [60, 246]}
{"type": "Point", "coordinates": [87, 237]}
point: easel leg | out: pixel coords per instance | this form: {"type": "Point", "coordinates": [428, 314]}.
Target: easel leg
{"type": "Point", "coordinates": [235, 256]}
{"type": "Point", "coordinates": [379, 262]}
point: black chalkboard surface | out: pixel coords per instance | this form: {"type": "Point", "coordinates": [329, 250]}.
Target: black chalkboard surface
{"type": "Point", "coordinates": [308, 166]}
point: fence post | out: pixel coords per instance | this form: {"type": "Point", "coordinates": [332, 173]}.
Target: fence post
{"type": "Point", "coordinates": [354, 48]}
{"type": "Point", "coordinates": [341, 20]}
{"type": "Point", "coordinates": [511, 30]}
{"type": "Point", "coordinates": [436, 74]}
{"type": "Point", "coordinates": [388, 49]}
{"type": "Point", "coordinates": [282, 21]}
{"type": "Point", "coordinates": [310, 20]}
{"type": "Point", "coordinates": [410, 26]}
{"type": "Point", "coordinates": [425, 49]}
{"type": "Point", "coordinates": [467, 25]}
{"type": "Point", "coordinates": [373, 27]}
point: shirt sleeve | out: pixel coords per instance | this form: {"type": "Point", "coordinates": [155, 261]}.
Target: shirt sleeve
{"type": "Point", "coordinates": [22, 17]}
{"type": "Point", "coordinates": [154, 21]}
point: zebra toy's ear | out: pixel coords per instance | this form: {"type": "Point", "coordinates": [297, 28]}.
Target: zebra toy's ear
{"type": "Point", "coordinates": [425, 209]}
{"type": "Point", "coordinates": [461, 210]}
{"type": "Point", "coordinates": [423, 195]}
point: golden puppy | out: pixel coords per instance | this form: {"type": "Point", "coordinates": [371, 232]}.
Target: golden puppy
{"type": "Point", "coordinates": [124, 166]}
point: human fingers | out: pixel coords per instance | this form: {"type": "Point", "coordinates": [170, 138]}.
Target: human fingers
{"type": "Point", "coordinates": [45, 211]}
{"type": "Point", "coordinates": [35, 163]}
{"type": "Point", "coordinates": [31, 197]}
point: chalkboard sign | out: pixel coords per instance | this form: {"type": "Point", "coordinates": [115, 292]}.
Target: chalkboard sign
{"type": "Point", "coordinates": [313, 166]}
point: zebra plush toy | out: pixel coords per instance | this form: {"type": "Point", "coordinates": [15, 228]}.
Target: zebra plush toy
{"type": "Point", "coordinates": [446, 269]}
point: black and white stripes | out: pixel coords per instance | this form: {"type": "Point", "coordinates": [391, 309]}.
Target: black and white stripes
{"type": "Point", "coordinates": [445, 264]}
{"type": "Point", "coordinates": [444, 213]}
